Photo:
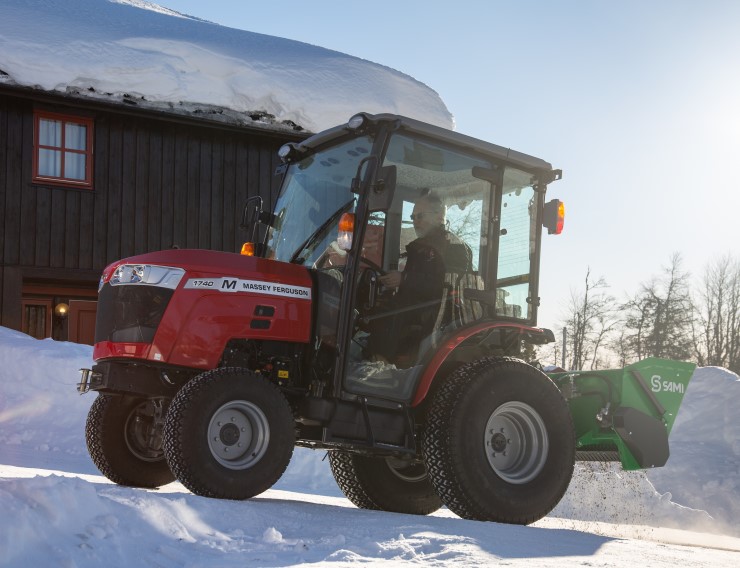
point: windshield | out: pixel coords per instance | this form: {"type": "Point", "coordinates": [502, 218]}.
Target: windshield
{"type": "Point", "coordinates": [316, 192]}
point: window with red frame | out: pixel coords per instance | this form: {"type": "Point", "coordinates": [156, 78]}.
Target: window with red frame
{"type": "Point", "coordinates": [63, 149]}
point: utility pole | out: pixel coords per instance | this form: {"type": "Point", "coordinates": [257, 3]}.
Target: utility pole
{"type": "Point", "coordinates": [565, 345]}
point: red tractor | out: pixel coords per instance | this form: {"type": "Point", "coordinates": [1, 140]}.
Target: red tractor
{"type": "Point", "coordinates": [347, 326]}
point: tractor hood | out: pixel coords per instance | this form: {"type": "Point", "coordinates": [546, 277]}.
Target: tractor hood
{"type": "Point", "coordinates": [183, 306]}
{"type": "Point", "coordinates": [208, 261]}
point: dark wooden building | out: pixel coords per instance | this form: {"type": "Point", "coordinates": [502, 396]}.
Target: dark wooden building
{"type": "Point", "coordinates": [84, 182]}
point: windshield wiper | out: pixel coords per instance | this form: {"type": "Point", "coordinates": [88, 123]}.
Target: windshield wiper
{"type": "Point", "coordinates": [320, 231]}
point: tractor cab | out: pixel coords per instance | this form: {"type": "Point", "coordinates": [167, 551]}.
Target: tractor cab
{"type": "Point", "coordinates": [419, 240]}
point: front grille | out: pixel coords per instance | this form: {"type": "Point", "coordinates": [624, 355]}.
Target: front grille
{"type": "Point", "coordinates": [130, 313]}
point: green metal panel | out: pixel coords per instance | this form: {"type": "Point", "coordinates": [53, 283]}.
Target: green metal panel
{"type": "Point", "coordinates": [654, 387]}
{"type": "Point", "coordinates": [666, 380]}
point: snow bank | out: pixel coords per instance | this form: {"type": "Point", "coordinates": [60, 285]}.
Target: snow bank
{"type": "Point", "coordinates": [112, 48]}
{"type": "Point", "coordinates": [41, 414]}
{"type": "Point", "coordinates": [704, 468]}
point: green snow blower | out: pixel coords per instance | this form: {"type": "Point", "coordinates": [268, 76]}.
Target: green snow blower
{"type": "Point", "coordinates": [626, 414]}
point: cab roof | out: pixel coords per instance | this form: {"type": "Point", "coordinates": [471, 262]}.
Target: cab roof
{"type": "Point", "coordinates": [414, 126]}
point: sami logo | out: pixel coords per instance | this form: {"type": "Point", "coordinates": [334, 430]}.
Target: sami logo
{"type": "Point", "coordinates": [657, 384]}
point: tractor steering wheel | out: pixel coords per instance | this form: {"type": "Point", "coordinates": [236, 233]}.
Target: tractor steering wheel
{"type": "Point", "coordinates": [372, 265]}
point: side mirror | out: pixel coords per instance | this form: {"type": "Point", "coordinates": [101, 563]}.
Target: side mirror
{"type": "Point", "coordinates": [267, 218]}
{"type": "Point", "coordinates": [381, 194]}
{"type": "Point", "coordinates": [553, 216]}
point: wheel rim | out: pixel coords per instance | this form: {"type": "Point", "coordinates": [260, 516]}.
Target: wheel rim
{"type": "Point", "coordinates": [140, 440]}
{"type": "Point", "coordinates": [411, 472]}
{"type": "Point", "coordinates": [238, 434]}
{"type": "Point", "coordinates": [516, 442]}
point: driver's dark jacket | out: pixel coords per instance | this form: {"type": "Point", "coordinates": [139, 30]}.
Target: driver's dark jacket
{"type": "Point", "coordinates": [428, 259]}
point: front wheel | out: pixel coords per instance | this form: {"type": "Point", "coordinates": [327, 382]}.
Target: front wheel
{"type": "Point", "coordinates": [124, 438]}
{"type": "Point", "coordinates": [229, 434]}
{"type": "Point", "coordinates": [384, 483]}
{"type": "Point", "coordinates": [499, 443]}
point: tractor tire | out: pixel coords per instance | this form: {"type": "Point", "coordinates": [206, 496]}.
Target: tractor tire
{"type": "Point", "coordinates": [499, 443]}
{"type": "Point", "coordinates": [229, 434]}
{"type": "Point", "coordinates": [124, 443]}
{"type": "Point", "coordinates": [384, 484]}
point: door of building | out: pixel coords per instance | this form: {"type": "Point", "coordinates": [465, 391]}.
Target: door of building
{"type": "Point", "coordinates": [82, 321]}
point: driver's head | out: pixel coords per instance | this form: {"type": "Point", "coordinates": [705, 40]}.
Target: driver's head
{"type": "Point", "coordinates": [429, 213]}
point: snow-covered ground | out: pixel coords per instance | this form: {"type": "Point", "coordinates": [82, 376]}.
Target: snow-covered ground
{"type": "Point", "coordinates": [57, 510]}
{"type": "Point", "coordinates": [157, 57]}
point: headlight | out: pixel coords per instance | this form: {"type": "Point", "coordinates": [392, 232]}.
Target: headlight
{"type": "Point", "coordinates": [162, 276]}
{"type": "Point", "coordinates": [357, 121]}
{"type": "Point", "coordinates": [289, 152]}
{"type": "Point", "coordinates": [127, 274]}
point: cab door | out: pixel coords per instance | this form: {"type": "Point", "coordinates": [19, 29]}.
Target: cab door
{"type": "Point", "coordinates": [401, 315]}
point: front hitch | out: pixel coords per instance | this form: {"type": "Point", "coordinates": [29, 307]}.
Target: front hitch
{"type": "Point", "coordinates": [88, 380]}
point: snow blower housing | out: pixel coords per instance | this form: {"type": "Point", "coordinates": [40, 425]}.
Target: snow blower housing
{"type": "Point", "coordinates": [380, 312]}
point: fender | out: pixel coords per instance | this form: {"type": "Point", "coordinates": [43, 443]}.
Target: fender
{"type": "Point", "coordinates": [444, 351]}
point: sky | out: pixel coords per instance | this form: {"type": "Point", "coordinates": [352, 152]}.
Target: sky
{"type": "Point", "coordinates": [59, 511]}
{"type": "Point", "coordinates": [637, 102]}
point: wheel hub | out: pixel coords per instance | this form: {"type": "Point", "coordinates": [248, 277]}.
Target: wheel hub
{"type": "Point", "coordinates": [407, 470]}
{"type": "Point", "coordinates": [498, 442]}
{"type": "Point", "coordinates": [516, 442]}
{"type": "Point", "coordinates": [238, 434]}
{"type": "Point", "coordinates": [143, 431]}
{"type": "Point", "coordinates": [229, 434]}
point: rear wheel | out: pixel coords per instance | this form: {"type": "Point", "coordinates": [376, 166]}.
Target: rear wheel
{"type": "Point", "coordinates": [499, 443]}
{"type": "Point", "coordinates": [384, 483]}
{"type": "Point", "coordinates": [229, 434]}
{"type": "Point", "coordinates": [124, 438]}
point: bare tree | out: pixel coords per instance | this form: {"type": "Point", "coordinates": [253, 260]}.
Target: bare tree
{"type": "Point", "coordinates": [591, 319]}
{"type": "Point", "coordinates": [619, 345]}
{"type": "Point", "coordinates": [717, 342]}
{"type": "Point", "coordinates": [659, 317]}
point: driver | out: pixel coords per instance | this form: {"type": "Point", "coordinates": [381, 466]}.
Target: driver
{"type": "Point", "coordinates": [435, 251]}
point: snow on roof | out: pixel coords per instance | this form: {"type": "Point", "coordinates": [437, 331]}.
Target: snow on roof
{"type": "Point", "coordinates": [162, 59]}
